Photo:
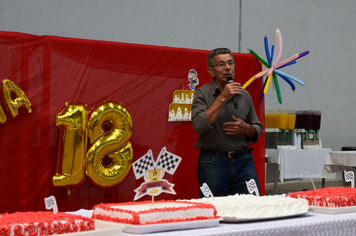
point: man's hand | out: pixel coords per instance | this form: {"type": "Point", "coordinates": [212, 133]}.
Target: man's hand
{"type": "Point", "coordinates": [238, 126]}
{"type": "Point", "coordinates": [231, 90]}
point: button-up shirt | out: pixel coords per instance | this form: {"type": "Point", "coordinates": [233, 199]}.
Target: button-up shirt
{"type": "Point", "coordinates": [213, 137]}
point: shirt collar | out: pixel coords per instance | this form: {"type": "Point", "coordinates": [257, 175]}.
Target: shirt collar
{"type": "Point", "coordinates": [214, 87]}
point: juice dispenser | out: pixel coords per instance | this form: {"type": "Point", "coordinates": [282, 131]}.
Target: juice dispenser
{"type": "Point", "coordinates": [276, 126]}
{"type": "Point", "coordinates": [291, 123]}
{"type": "Point", "coordinates": [283, 125]}
{"type": "Point", "coordinates": [316, 124]}
{"type": "Point", "coordinates": [309, 125]}
{"type": "Point", "coordinates": [300, 126]}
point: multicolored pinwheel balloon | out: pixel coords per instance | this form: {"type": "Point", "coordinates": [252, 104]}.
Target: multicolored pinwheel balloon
{"type": "Point", "coordinates": [273, 66]}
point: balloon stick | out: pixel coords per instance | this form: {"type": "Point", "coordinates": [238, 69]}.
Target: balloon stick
{"type": "Point", "coordinates": [290, 77]}
{"type": "Point", "coordinates": [279, 96]}
{"type": "Point", "coordinates": [267, 51]}
{"type": "Point", "coordinates": [259, 58]}
{"type": "Point", "coordinates": [288, 81]}
{"type": "Point", "coordinates": [267, 83]}
{"type": "Point", "coordinates": [248, 82]}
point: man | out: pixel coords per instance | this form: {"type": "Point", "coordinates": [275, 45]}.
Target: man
{"type": "Point", "coordinates": [225, 130]}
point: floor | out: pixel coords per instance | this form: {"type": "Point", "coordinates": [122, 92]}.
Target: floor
{"type": "Point", "coordinates": [287, 187]}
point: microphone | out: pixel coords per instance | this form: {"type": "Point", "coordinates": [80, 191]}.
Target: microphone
{"type": "Point", "coordinates": [230, 80]}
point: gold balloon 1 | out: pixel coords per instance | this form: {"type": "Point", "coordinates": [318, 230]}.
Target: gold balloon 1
{"type": "Point", "coordinates": [72, 121]}
{"type": "Point", "coordinates": [109, 159]}
{"type": "Point", "coordinates": [21, 99]}
{"type": "Point", "coordinates": [2, 115]}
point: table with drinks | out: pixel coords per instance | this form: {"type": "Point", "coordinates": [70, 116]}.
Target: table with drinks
{"type": "Point", "coordinates": [293, 144]}
{"type": "Point", "coordinates": [292, 123]}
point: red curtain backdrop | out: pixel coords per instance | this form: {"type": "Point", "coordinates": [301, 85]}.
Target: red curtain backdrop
{"type": "Point", "coordinates": [55, 70]}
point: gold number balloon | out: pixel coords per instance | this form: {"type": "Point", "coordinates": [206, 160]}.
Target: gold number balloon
{"type": "Point", "coordinates": [2, 115]}
{"type": "Point", "coordinates": [109, 159]}
{"type": "Point", "coordinates": [72, 121]}
{"type": "Point", "coordinates": [21, 99]}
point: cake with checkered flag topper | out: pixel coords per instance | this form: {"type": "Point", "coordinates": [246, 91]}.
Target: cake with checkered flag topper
{"type": "Point", "coordinates": [157, 212]}
{"type": "Point", "coordinates": [153, 173]}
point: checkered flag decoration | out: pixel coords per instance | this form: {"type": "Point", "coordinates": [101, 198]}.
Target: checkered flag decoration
{"type": "Point", "coordinates": [252, 187]}
{"type": "Point", "coordinates": [206, 191]}
{"type": "Point", "coordinates": [51, 203]}
{"type": "Point", "coordinates": [168, 161]}
{"type": "Point", "coordinates": [349, 177]}
{"type": "Point", "coordinates": [143, 164]}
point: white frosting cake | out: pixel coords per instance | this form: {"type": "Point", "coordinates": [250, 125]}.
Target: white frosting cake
{"type": "Point", "coordinates": [140, 213]}
{"type": "Point", "coordinates": [251, 206]}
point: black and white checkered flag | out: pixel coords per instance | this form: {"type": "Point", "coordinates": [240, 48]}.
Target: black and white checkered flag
{"type": "Point", "coordinates": [252, 187]}
{"type": "Point", "coordinates": [206, 191]}
{"type": "Point", "coordinates": [51, 203]}
{"type": "Point", "coordinates": [144, 163]}
{"type": "Point", "coordinates": [349, 177]}
{"type": "Point", "coordinates": [168, 161]}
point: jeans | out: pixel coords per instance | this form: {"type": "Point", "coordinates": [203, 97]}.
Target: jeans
{"type": "Point", "coordinates": [224, 175]}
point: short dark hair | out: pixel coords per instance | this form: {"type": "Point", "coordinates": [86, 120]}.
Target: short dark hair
{"type": "Point", "coordinates": [217, 51]}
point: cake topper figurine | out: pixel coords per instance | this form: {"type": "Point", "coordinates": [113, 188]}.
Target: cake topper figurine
{"type": "Point", "coordinates": [349, 177]}
{"type": "Point", "coordinates": [153, 173]}
{"type": "Point", "coordinates": [51, 203]}
{"type": "Point", "coordinates": [193, 79]}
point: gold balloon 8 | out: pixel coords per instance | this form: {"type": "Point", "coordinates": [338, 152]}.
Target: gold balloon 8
{"type": "Point", "coordinates": [109, 159]}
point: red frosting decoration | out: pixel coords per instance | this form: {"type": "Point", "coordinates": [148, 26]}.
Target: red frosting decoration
{"type": "Point", "coordinates": [136, 214]}
{"type": "Point", "coordinates": [328, 197]}
{"type": "Point", "coordinates": [45, 222]}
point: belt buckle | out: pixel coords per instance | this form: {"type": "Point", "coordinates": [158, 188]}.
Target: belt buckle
{"type": "Point", "coordinates": [230, 154]}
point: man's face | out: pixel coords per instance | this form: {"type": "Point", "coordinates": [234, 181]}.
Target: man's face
{"type": "Point", "coordinates": [224, 66]}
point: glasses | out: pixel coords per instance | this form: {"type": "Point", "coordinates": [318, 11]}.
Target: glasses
{"type": "Point", "coordinates": [223, 64]}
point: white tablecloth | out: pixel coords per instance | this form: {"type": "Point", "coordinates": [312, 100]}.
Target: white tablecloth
{"type": "Point", "coordinates": [309, 224]}
{"type": "Point", "coordinates": [339, 161]}
{"type": "Point", "coordinates": [298, 163]}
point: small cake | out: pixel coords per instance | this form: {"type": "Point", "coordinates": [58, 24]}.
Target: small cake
{"type": "Point", "coordinates": [328, 197]}
{"type": "Point", "coordinates": [43, 223]}
{"type": "Point", "coordinates": [248, 206]}
{"type": "Point", "coordinates": [144, 212]}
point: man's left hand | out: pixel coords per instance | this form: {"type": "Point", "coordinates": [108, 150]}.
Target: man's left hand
{"type": "Point", "coordinates": [237, 126]}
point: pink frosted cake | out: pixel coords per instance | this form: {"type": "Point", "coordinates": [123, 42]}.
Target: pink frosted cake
{"type": "Point", "coordinates": [144, 212]}
{"type": "Point", "coordinates": [43, 223]}
{"type": "Point", "coordinates": [328, 197]}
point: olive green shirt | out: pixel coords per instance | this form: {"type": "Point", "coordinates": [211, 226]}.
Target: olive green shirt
{"type": "Point", "coordinates": [213, 137]}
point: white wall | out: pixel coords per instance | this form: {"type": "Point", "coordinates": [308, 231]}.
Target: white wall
{"type": "Point", "coordinates": [324, 27]}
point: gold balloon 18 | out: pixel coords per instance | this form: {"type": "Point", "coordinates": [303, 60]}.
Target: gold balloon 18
{"type": "Point", "coordinates": [21, 99]}
{"type": "Point", "coordinates": [109, 159]}
{"type": "Point", "coordinates": [72, 121]}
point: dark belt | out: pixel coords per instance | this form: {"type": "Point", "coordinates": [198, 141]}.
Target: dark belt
{"type": "Point", "coordinates": [230, 154]}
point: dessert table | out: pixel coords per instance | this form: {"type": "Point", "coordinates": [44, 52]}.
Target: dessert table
{"type": "Point", "coordinates": [298, 163]}
{"type": "Point", "coordinates": [338, 161]}
{"type": "Point", "coordinates": [309, 224]}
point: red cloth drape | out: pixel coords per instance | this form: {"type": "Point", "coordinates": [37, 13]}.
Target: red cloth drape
{"type": "Point", "coordinates": [54, 70]}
